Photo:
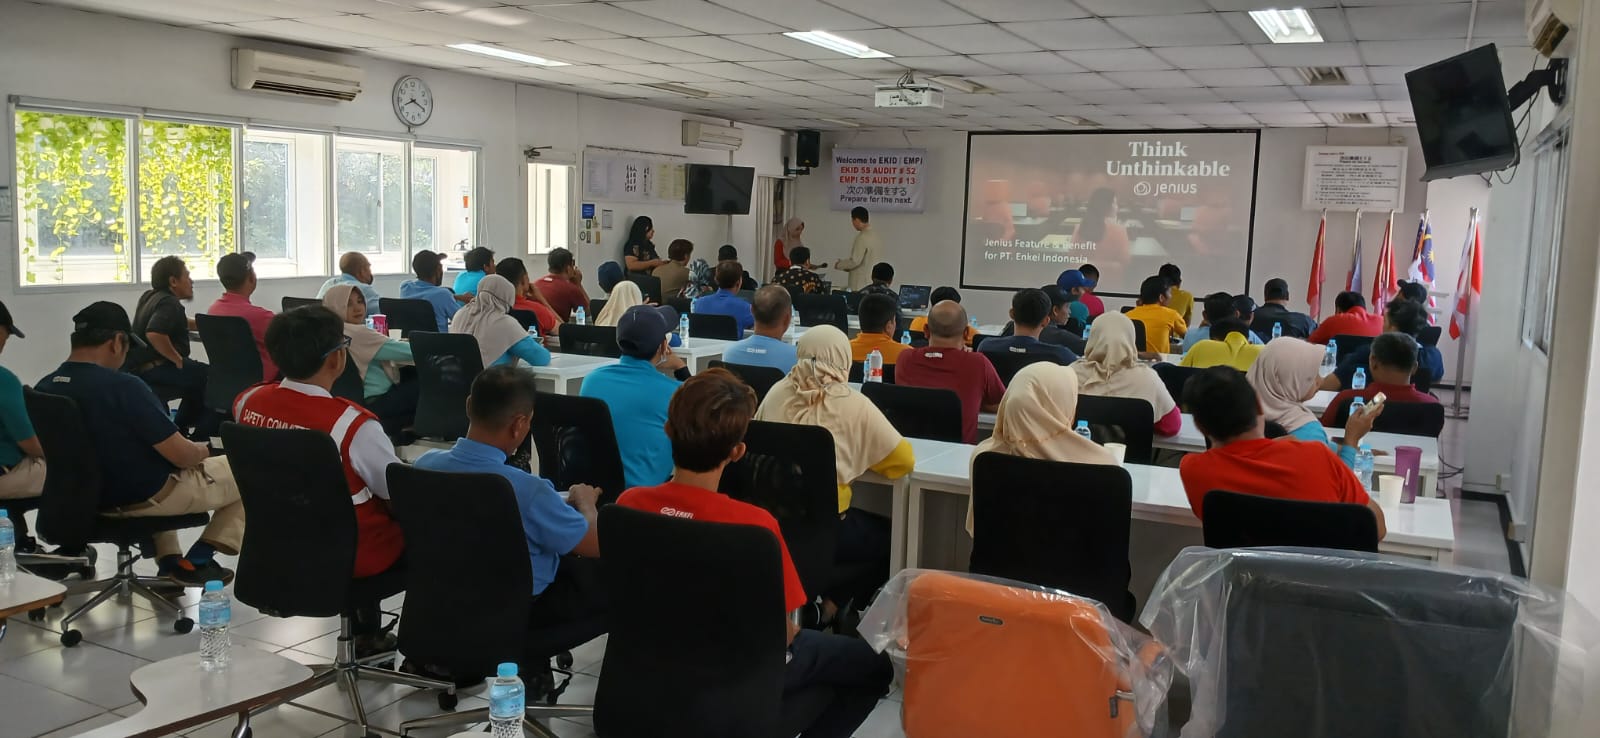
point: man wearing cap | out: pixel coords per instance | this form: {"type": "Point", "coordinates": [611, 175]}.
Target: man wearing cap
{"type": "Point", "coordinates": [429, 268]}
{"type": "Point", "coordinates": [147, 468]}
{"type": "Point", "coordinates": [1074, 286]}
{"type": "Point", "coordinates": [162, 359]}
{"type": "Point", "coordinates": [637, 390]}
{"type": "Point", "coordinates": [237, 273]}
{"type": "Point", "coordinates": [21, 457]}
{"type": "Point", "coordinates": [355, 270]}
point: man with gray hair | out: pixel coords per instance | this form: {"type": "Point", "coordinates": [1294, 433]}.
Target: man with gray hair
{"type": "Point", "coordinates": [947, 363]}
{"type": "Point", "coordinates": [765, 345]}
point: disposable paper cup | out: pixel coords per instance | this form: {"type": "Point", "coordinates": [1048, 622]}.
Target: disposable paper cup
{"type": "Point", "coordinates": [1389, 488]}
{"type": "Point", "coordinates": [1119, 451]}
{"type": "Point", "coordinates": [394, 333]}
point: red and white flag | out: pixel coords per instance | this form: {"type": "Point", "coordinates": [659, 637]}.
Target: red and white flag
{"type": "Point", "coordinates": [1385, 283]}
{"type": "Point", "coordinates": [1469, 285]}
{"type": "Point", "coordinates": [1314, 288]}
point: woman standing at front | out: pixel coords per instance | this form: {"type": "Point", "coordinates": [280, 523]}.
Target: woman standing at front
{"type": "Point", "coordinates": [639, 253]}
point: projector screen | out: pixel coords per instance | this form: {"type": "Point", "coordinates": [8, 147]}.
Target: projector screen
{"type": "Point", "coordinates": [1039, 203]}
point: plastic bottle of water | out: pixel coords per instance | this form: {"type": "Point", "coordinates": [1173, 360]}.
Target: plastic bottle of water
{"type": "Point", "coordinates": [1364, 465]}
{"type": "Point", "coordinates": [1330, 360]}
{"type": "Point", "coordinates": [683, 329]}
{"type": "Point", "coordinates": [1277, 330]}
{"type": "Point", "coordinates": [506, 703]}
{"type": "Point", "coordinates": [794, 318]}
{"type": "Point", "coordinates": [215, 612]}
{"type": "Point", "coordinates": [1086, 328]}
{"type": "Point", "coordinates": [874, 368]}
{"type": "Point", "coordinates": [973, 322]}
{"type": "Point", "coordinates": [1082, 429]}
{"type": "Point", "coordinates": [580, 316]}
{"type": "Point", "coordinates": [905, 337]}
{"type": "Point", "coordinates": [8, 548]}
{"type": "Point", "coordinates": [1359, 381]}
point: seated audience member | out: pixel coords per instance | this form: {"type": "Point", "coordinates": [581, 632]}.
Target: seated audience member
{"type": "Point", "coordinates": [308, 344]}
{"type": "Point", "coordinates": [1111, 368]}
{"type": "Point", "coordinates": [1390, 366]}
{"type": "Point", "coordinates": [706, 424]}
{"type": "Point", "coordinates": [1088, 298]}
{"type": "Point", "coordinates": [563, 286]}
{"type": "Point", "coordinates": [1217, 306]}
{"type": "Point", "coordinates": [501, 339]}
{"type": "Point", "coordinates": [882, 282]}
{"type": "Point", "coordinates": [880, 316]}
{"type": "Point", "coordinates": [429, 268]}
{"type": "Point", "coordinates": [1036, 418]}
{"type": "Point", "coordinates": [1059, 330]}
{"type": "Point", "coordinates": [625, 296]}
{"type": "Point", "coordinates": [636, 391]}
{"type": "Point", "coordinates": [162, 358]}
{"type": "Point", "coordinates": [147, 468]}
{"type": "Point", "coordinates": [801, 276]}
{"type": "Point", "coordinates": [563, 545]}
{"type": "Point", "coordinates": [674, 274]}
{"type": "Point", "coordinates": [356, 271]}
{"type": "Point", "coordinates": [1242, 459]}
{"type": "Point", "coordinates": [1030, 317]}
{"type": "Point", "coordinates": [947, 363]}
{"type": "Point", "coordinates": [21, 456]}
{"type": "Point", "coordinates": [378, 358]}
{"type": "Point", "coordinates": [702, 280]}
{"type": "Point", "coordinates": [1161, 323]}
{"type": "Point", "coordinates": [479, 263]}
{"type": "Point", "coordinates": [1276, 310]}
{"type": "Point", "coordinates": [609, 276]}
{"type": "Point", "coordinates": [237, 274]}
{"type": "Point", "coordinates": [726, 300]}
{"type": "Point", "coordinates": [919, 324]}
{"type": "Point", "coordinates": [1400, 316]}
{"type": "Point", "coordinates": [527, 296]}
{"type": "Point", "coordinates": [1416, 292]}
{"type": "Point", "coordinates": [1351, 320]}
{"type": "Point", "coordinates": [1073, 286]}
{"type": "Point", "coordinates": [727, 252]}
{"type": "Point", "coordinates": [817, 392]}
{"type": "Point", "coordinates": [766, 346]}
{"type": "Point", "coordinates": [1229, 345]}
{"type": "Point", "coordinates": [1245, 307]}
{"type": "Point", "coordinates": [1285, 377]}
{"type": "Point", "coordinates": [1181, 300]}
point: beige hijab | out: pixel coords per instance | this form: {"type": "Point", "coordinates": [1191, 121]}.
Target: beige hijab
{"type": "Point", "coordinates": [487, 318]}
{"type": "Point", "coordinates": [791, 234]}
{"type": "Point", "coordinates": [817, 392]}
{"type": "Point", "coordinates": [364, 342]}
{"type": "Point", "coordinates": [1284, 374]}
{"type": "Point", "coordinates": [623, 296]}
{"type": "Point", "coordinates": [1035, 421]}
{"type": "Point", "coordinates": [1111, 368]}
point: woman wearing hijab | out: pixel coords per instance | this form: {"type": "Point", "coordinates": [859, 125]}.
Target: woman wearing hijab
{"type": "Point", "coordinates": [377, 358]}
{"type": "Point", "coordinates": [817, 392]}
{"type": "Point", "coordinates": [1285, 376]}
{"type": "Point", "coordinates": [1036, 418]}
{"type": "Point", "coordinates": [623, 296]}
{"type": "Point", "coordinates": [1111, 368]}
{"type": "Point", "coordinates": [501, 339]}
{"type": "Point", "coordinates": [639, 253]}
{"type": "Point", "coordinates": [786, 242]}
{"type": "Point", "coordinates": [609, 276]}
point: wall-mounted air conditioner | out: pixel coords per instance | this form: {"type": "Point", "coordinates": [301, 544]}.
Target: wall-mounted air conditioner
{"type": "Point", "coordinates": [708, 136]}
{"type": "Point", "coordinates": [265, 71]}
{"type": "Point", "coordinates": [1548, 22]}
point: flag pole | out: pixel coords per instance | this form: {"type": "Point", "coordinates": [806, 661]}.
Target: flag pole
{"type": "Point", "coordinates": [1466, 322]}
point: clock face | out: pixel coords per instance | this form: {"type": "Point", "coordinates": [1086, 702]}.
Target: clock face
{"type": "Point", "coordinates": [413, 101]}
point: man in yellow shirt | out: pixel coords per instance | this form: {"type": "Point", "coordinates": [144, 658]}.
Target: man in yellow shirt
{"type": "Point", "coordinates": [1161, 323]}
{"type": "Point", "coordinates": [1181, 300]}
{"type": "Point", "coordinates": [1229, 345]}
{"type": "Point", "coordinates": [879, 317]}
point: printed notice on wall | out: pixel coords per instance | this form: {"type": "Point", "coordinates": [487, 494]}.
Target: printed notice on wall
{"type": "Point", "coordinates": [1355, 178]}
{"type": "Point", "coordinates": [880, 180]}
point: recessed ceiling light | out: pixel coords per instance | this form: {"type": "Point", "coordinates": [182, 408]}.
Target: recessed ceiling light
{"type": "Point", "coordinates": [837, 122]}
{"type": "Point", "coordinates": [835, 43]}
{"type": "Point", "coordinates": [516, 56]}
{"type": "Point", "coordinates": [677, 88]}
{"type": "Point", "coordinates": [1292, 26]}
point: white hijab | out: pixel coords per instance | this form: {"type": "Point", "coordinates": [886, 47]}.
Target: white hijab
{"type": "Point", "coordinates": [487, 318]}
{"type": "Point", "coordinates": [791, 234]}
{"type": "Point", "coordinates": [1285, 372]}
{"type": "Point", "coordinates": [623, 296]}
{"type": "Point", "coordinates": [1110, 366]}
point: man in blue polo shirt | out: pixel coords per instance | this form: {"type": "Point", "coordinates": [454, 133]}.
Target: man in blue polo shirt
{"type": "Point", "coordinates": [356, 271]}
{"type": "Point", "coordinates": [637, 390]}
{"type": "Point", "coordinates": [766, 346]}
{"type": "Point", "coordinates": [429, 269]}
{"type": "Point", "coordinates": [726, 301]}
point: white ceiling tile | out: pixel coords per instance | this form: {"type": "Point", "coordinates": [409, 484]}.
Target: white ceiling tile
{"type": "Point", "coordinates": [1289, 119]}
{"type": "Point", "coordinates": [305, 32]}
{"type": "Point", "coordinates": [1176, 30]}
{"type": "Point", "coordinates": [800, 15]}
{"type": "Point", "coordinates": [1335, 92]}
{"type": "Point", "coordinates": [1141, 80]}
{"type": "Point", "coordinates": [1391, 92]}
{"type": "Point", "coordinates": [1211, 108]}
{"type": "Point", "coordinates": [467, 28]}
{"type": "Point", "coordinates": [1499, 19]}
{"type": "Point", "coordinates": [1396, 106]}
{"type": "Point", "coordinates": [1073, 108]}
{"type": "Point", "coordinates": [1179, 95]}
{"type": "Point", "coordinates": [1008, 83]}
{"type": "Point", "coordinates": [571, 53]}
{"type": "Point", "coordinates": [1234, 77]}
{"type": "Point", "coordinates": [407, 35]}
{"type": "Point", "coordinates": [1409, 53]}
{"type": "Point", "coordinates": [1264, 4]}
{"type": "Point", "coordinates": [1388, 75]}
{"type": "Point", "coordinates": [791, 68]}
{"type": "Point", "coordinates": [1001, 11]}
{"type": "Point", "coordinates": [640, 49]}
{"type": "Point", "coordinates": [864, 67]}
{"type": "Point", "coordinates": [1119, 123]}
{"type": "Point", "coordinates": [435, 57]}
{"type": "Point", "coordinates": [788, 47]}
{"type": "Point", "coordinates": [962, 65]}
{"type": "Point", "coordinates": [1345, 106]}
{"type": "Point", "coordinates": [1209, 57]}
{"type": "Point", "coordinates": [1138, 109]}
{"type": "Point", "coordinates": [787, 87]}
{"type": "Point", "coordinates": [1256, 108]}
{"type": "Point", "coordinates": [731, 71]}
{"type": "Point", "coordinates": [180, 12]}
{"type": "Point", "coordinates": [738, 89]}
{"type": "Point", "coordinates": [1037, 99]}
{"type": "Point", "coordinates": [608, 74]}
{"type": "Point", "coordinates": [901, 13]}
{"type": "Point", "coordinates": [717, 47]}
{"type": "Point", "coordinates": [617, 20]}
{"type": "Point", "coordinates": [1400, 119]}
{"type": "Point", "coordinates": [1225, 121]}
{"type": "Point", "coordinates": [1065, 35]}
{"type": "Point", "coordinates": [446, 6]}
{"type": "Point", "coordinates": [1038, 62]}
{"type": "Point", "coordinates": [1109, 97]}
{"type": "Point", "coordinates": [855, 87]}
{"type": "Point", "coordinates": [979, 39]}
{"type": "Point", "coordinates": [666, 72]}
{"type": "Point", "coordinates": [1438, 20]}
{"type": "Point", "coordinates": [699, 15]}
{"type": "Point", "coordinates": [1167, 121]}
{"type": "Point", "coordinates": [1255, 94]}
{"type": "Point", "coordinates": [1104, 60]}
{"type": "Point", "coordinates": [1308, 55]}
{"type": "Point", "coordinates": [1070, 82]}
{"type": "Point", "coordinates": [1114, 8]}
{"type": "Point", "coordinates": [891, 41]}
{"type": "Point", "coordinates": [312, 8]}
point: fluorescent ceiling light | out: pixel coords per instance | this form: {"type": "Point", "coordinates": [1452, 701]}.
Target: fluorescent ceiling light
{"type": "Point", "coordinates": [1292, 26]}
{"type": "Point", "coordinates": [835, 43]}
{"type": "Point", "coordinates": [677, 88]}
{"type": "Point", "coordinates": [1073, 120]}
{"type": "Point", "coordinates": [837, 122]}
{"type": "Point", "coordinates": [508, 54]}
{"type": "Point", "coordinates": [959, 84]}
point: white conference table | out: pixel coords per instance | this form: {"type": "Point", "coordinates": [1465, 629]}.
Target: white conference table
{"type": "Point", "coordinates": [565, 372]}
{"type": "Point", "coordinates": [925, 451]}
{"type": "Point", "coordinates": [699, 352]}
{"type": "Point", "coordinates": [1191, 440]}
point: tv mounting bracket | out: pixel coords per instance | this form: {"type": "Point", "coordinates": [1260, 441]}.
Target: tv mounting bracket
{"type": "Point", "coordinates": [1553, 77]}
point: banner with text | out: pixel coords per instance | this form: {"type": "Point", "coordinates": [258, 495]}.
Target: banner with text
{"type": "Point", "coordinates": [881, 180]}
{"type": "Point", "coordinates": [1351, 178]}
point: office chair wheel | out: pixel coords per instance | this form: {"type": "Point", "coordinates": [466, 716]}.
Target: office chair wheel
{"type": "Point", "coordinates": [183, 625]}
{"type": "Point", "coordinates": [71, 638]}
{"type": "Point", "coordinates": [448, 700]}
{"type": "Point", "coordinates": [36, 614]}
{"type": "Point", "coordinates": [564, 660]}
{"type": "Point", "coordinates": [86, 573]}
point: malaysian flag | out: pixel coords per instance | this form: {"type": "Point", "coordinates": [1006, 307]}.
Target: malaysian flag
{"type": "Point", "coordinates": [1422, 269]}
{"type": "Point", "coordinates": [1318, 273]}
{"type": "Point", "coordinates": [1469, 285]}
{"type": "Point", "coordinates": [1385, 284]}
{"type": "Point", "coordinates": [1352, 279]}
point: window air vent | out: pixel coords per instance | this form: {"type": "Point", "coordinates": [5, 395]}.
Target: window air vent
{"type": "Point", "coordinates": [1322, 75]}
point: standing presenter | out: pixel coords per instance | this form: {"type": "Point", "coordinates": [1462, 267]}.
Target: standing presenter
{"type": "Point", "coordinates": [864, 252]}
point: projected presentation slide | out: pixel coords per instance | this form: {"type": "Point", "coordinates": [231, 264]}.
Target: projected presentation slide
{"type": "Point", "coordinates": [1125, 202]}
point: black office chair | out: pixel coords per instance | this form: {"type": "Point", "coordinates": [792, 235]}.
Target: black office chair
{"type": "Point", "coordinates": [349, 385]}
{"type": "Point", "coordinates": [858, 372]}
{"type": "Point", "coordinates": [50, 565]}
{"type": "Point", "coordinates": [446, 365]}
{"type": "Point", "coordinates": [1405, 418]}
{"type": "Point", "coordinates": [760, 378]}
{"type": "Point", "coordinates": [576, 443]}
{"type": "Point", "coordinates": [1348, 343]}
{"type": "Point", "coordinates": [720, 327]}
{"type": "Point", "coordinates": [918, 412]}
{"type": "Point", "coordinates": [235, 361]}
{"type": "Point", "coordinates": [595, 306]}
{"type": "Point", "coordinates": [1125, 308]}
{"type": "Point", "coordinates": [1175, 377]}
{"type": "Point", "coordinates": [290, 303]}
{"type": "Point", "coordinates": [407, 316]}
{"type": "Point", "coordinates": [918, 338]}
{"type": "Point", "coordinates": [1237, 520]}
{"type": "Point", "coordinates": [852, 300]}
{"type": "Point", "coordinates": [788, 470]}
{"type": "Point", "coordinates": [823, 310]}
{"type": "Point", "coordinates": [589, 340]}
{"type": "Point", "coordinates": [680, 304]}
{"type": "Point", "coordinates": [727, 671]}
{"type": "Point", "coordinates": [1430, 335]}
{"type": "Point", "coordinates": [1008, 363]}
{"type": "Point", "coordinates": [528, 319]}
{"type": "Point", "coordinates": [1139, 335]}
{"type": "Point", "coordinates": [1054, 524]}
{"type": "Point", "coordinates": [1122, 420]}
{"type": "Point", "coordinates": [69, 512]}
{"type": "Point", "coordinates": [978, 339]}
{"type": "Point", "coordinates": [448, 537]}
{"type": "Point", "coordinates": [648, 285]}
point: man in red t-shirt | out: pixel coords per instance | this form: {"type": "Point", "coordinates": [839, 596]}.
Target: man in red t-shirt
{"type": "Point", "coordinates": [1352, 320]}
{"type": "Point", "coordinates": [308, 345]}
{"type": "Point", "coordinates": [706, 423]}
{"type": "Point", "coordinates": [563, 286]}
{"type": "Point", "coordinates": [1390, 364]}
{"type": "Point", "coordinates": [946, 363]}
{"type": "Point", "coordinates": [1243, 459]}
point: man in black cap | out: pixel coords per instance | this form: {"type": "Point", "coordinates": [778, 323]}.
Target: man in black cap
{"type": "Point", "coordinates": [21, 457]}
{"type": "Point", "coordinates": [237, 273]}
{"type": "Point", "coordinates": [147, 467]}
{"type": "Point", "coordinates": [637, 390]}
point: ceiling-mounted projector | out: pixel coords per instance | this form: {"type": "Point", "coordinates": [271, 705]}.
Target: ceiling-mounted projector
{"type": "Point", "coordinates": [909, 95]}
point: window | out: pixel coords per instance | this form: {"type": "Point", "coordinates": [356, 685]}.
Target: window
{"type": "Point", "coordinates": [72, 198]}
{"type": "Point", "coordinates": [550, 218]}
{"type": "Point", "coordinates": [444, 191]}
{"type": "Point", "coordinates": [283, 206]}
{"type": "Point", "coordinates": [369, 182]}
{"type": "Point", "coordinates": [186, 193]}
{"type": "Point", "coordinates": [1544, 242]}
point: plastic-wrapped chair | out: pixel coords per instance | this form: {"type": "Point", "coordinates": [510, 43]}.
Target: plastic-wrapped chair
{"type": "Point", "coordinates": [1331, 644]}
{"type": "Point", "coordinates": [984, 656]}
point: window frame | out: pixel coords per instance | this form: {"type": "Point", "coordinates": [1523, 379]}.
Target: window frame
{"type": "Point", "coordinates": [573, 204]}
